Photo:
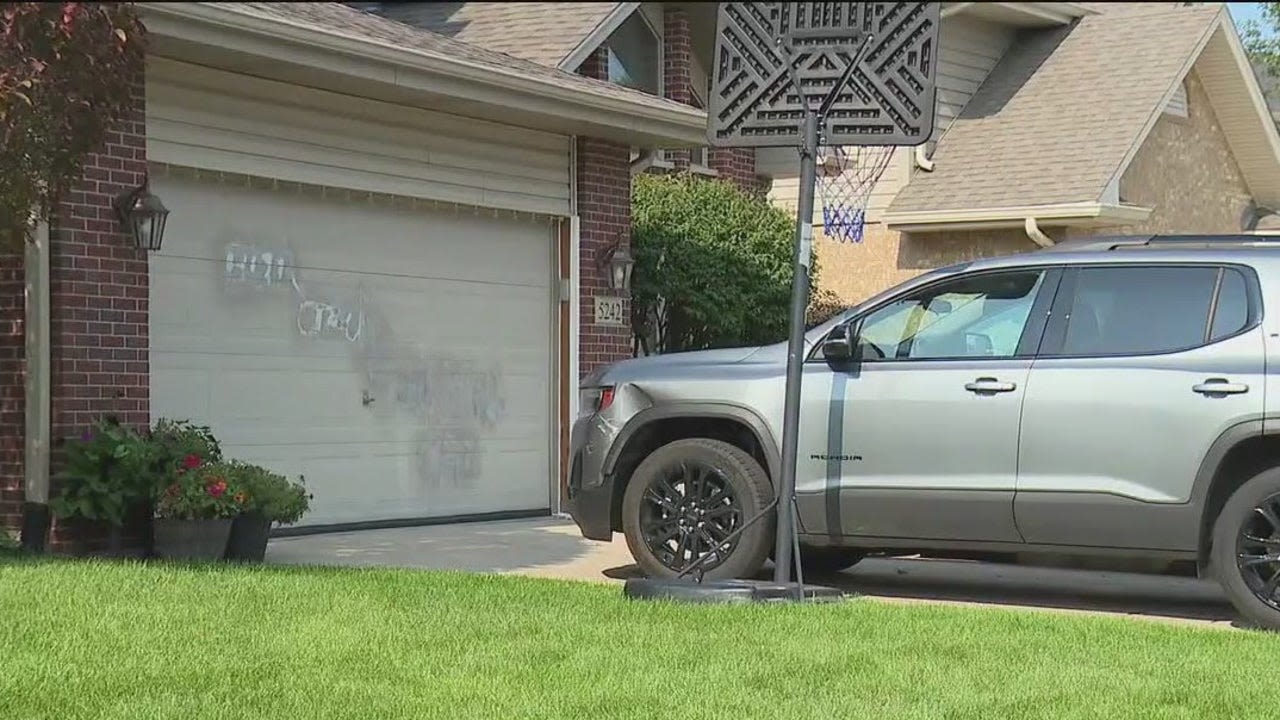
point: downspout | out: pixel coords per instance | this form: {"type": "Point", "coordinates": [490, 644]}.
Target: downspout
{"type": "Point", "coordinates": [922, 159]}
{"type": "Point", "coordinates": [36, 518]}
{"type": "Point", "coordinates": [1036, 234]}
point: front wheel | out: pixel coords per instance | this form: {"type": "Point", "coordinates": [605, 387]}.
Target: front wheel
{"type": "Point", "coordinates": [686, 499]}
{"type": "Point", "coordinates": [1246, 549]}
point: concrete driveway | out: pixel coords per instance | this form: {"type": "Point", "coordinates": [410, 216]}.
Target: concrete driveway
{"type": "Point", "coordinates": [552, 548]}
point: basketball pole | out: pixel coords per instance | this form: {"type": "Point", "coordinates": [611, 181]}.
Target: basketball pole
{"type": "Point", "coordinates": [795, 349]}
{"type": "Point", "coordinates": [803, 258]}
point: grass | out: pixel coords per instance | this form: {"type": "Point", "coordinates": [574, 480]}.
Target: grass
{"type": "Point", "coordinates": [121, 641]}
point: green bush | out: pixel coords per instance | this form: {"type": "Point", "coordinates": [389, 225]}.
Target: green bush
{"type": "Point", "coordinates": [108, 470]}
{"type": "Point", "coordinates": [271, 494]}
{"type": "Point", "coordinates": [713, 265]}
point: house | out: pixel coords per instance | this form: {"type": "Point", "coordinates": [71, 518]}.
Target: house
{"type": "Point", "coordinates": [1063, 120]}
{"type": "Point", "coordinates": [389, 255]}
{"type": "Point", "coordinates": [396, 229]}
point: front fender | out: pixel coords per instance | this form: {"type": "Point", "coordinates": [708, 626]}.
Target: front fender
{"type": "Point", "coordinates": [725, 411]}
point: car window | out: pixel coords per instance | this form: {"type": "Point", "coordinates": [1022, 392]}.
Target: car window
{"type": "Point", "coordinates": [1232, 313]}
{"type": "Point", "coordinates": [1139, 310]}
{"type": "Point", "coordinates": [979, 316]}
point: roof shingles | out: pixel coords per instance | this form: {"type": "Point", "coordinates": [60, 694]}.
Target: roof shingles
{"type": "Point", "coordinates": [339, 19]}
{"type": "Point", "coordinates": [1055, 118]}
{"type": "Point", "coordinates": [540, 32]}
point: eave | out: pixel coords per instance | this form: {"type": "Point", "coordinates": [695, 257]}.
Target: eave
{"type": "Point", "coordinates": [1081, 215]}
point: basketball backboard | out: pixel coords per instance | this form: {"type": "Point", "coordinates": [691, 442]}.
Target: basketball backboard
{"type": "Point", "coordinates": [883, 55]}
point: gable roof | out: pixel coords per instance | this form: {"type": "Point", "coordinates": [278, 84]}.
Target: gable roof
{"type": "Point", "coordinates": [338, 18]}
{"type": "Point", "coordinates": [413, 59]}
{"type": "Point", "coordinates": [1054, 121]}
{"type": "Point", "coordinates": [546, 33]}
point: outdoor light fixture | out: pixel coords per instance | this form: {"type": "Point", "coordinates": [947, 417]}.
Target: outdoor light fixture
{"type": "Point", "coordinates": [618, 261]}
{"type": "Point", "coordinates": [144, 216]}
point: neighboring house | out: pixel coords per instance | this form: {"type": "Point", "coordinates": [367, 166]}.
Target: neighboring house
{"type": "Point", "coordinates": [1062, 120]}
{"type": "Point", "coordinates": [380, 268]}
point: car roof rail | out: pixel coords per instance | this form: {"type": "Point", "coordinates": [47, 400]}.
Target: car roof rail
{"type": "Point", "coordinates": [1131, 242]}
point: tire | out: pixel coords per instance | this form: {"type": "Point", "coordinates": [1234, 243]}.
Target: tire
{"type": "Point", "coordinates": [733, 469]}
{"type": "Point", "coordinates": [1240, 509]}
{"type": "Point", "coordinates": [819, 561]}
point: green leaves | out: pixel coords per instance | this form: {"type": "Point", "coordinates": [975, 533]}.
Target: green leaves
{"type": "Point", "coordinates": [713, 265]}
{"type": "Point", "coordinates": [1262, 39]}
{"type": "Point", "coordinates": [62, 85]}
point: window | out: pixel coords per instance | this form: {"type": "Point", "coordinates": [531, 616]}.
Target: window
{"type": "Point", "coordinates": [635, 55]}
{"type": "Point", "coordinates": [1146, 310]}
{"type": "Point", "coordinates": [980, 316]}
{"type": "Point", "coordinates": [1232, 312]}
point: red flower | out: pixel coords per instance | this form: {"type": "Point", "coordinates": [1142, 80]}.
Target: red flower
{"type": "Point", "coordinates": [191, 462]}
{"type": "Point", "coordinates": [217, 488]}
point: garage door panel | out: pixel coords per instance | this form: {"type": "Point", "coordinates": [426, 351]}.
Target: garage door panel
{"type": "Point", "coordinates": [404, 374]}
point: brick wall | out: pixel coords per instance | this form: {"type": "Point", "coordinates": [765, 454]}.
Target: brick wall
{"type": "Point", "coordinates": [604, 217]}
{"type": "Point", "coordinates": [98, 295]}
{"type": "Point", "coordinates": [676, 85]}
{"type": "Point", "coordinates": [98, 313]}
{"type": "Point", "coordinates": [1185, 171]}
{"type": "Point", "coordinates": [12, 392]}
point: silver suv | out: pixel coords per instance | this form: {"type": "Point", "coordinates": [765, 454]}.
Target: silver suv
{"type": "Point", "coordinates": [1109, 398]}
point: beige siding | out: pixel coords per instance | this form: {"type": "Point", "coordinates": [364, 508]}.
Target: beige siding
{"type": "Point", "coordinates": [970, 48]}
{"type": "Point", "coordinates": [214, 120]}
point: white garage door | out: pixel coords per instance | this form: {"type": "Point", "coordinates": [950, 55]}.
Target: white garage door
{"type": "Point", "coordinates": [397, 357]}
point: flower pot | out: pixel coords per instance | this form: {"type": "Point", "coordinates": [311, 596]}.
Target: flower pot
{"type": "Point", "coordinates": [248, 542]}
{"type": "Point", "coordinates": [192, 539]}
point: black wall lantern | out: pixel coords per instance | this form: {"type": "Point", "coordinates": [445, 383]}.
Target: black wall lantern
{"type": "Point", "coordinates": [617, 262]}
{"type": "Point", "coordinates": [143, 217]}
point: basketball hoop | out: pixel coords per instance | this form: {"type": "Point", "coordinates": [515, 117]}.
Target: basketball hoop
{"type": "Point", "coordinates": [846, 176]}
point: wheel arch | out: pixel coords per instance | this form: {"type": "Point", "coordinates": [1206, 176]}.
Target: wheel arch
{"type": "Point", "coordinates": [657, 426]}
{"type": "Point", "coordinates": [1239, 453]}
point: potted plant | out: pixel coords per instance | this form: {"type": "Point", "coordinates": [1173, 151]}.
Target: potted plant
{"type": "Point", "coordinates": [195, 511]}
{"type": "Point", "coordinates": [175, 446]}
{"type": "Point", "coordinates": [105, 479]}
{"type": "Point", "coordinates": [270, 498]}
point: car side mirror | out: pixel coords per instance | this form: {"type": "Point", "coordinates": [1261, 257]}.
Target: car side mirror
{"type": "Point", "coordinates": [840, 345]}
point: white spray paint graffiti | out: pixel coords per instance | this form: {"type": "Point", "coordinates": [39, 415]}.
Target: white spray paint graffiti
{"type": "Point", "coordinates": [454, 404]}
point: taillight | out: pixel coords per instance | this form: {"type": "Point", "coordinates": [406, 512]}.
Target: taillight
{"type": "Point", "coordinates": [595, 399]}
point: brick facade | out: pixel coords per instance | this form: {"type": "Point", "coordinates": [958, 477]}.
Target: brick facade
{"type": "Point", "coordinates": [98, 312]}
{"type": "Point", "coordinates": [12, 391]}
{"type": "Point", "coordinates": [604, 218]}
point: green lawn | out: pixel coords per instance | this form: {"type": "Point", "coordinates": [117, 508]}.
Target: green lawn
{"type": "Point", "coordinates": [103, 640]}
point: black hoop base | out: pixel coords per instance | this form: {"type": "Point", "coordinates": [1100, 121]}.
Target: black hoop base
{"type": "Point", "coordinates": [728, 591]}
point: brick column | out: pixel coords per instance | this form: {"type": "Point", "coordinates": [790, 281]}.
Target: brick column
{"type": "Point", "coordinates": [676, 83]}
{"type": "Point", "coordinates": [99, 293]}
{"type": "Point", "coordinates": [737, 165]}
{"type": "Point", "coordinates": [12, 390]}
{"type": "Point", "coordinates": [604, 218]}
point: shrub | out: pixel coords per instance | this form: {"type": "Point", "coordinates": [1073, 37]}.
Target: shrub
{"type": "Point", "coordinates": [270, 493]}
{"type": "Point", "coordinates": [108, 470]}
{"type": "Point", "coordinates": [713, 265]}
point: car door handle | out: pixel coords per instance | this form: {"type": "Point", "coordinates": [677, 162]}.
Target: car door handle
{"type": "Point", "coordinates": [1220, 386]}
{"type": "Point", "coordinates": [989, 385]}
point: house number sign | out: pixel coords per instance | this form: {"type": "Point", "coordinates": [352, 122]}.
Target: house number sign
{"type": "Point", "coordinates": [609, 311]}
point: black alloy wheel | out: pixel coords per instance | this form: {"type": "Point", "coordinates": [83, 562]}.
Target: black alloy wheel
{"type": "Point", "coordinates": [1258, 551]}
{"type": "Point", "coordinates": [688, 511]}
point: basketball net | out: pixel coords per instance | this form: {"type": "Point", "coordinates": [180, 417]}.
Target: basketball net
{"type": "Point", "coordinates": [845, 178]}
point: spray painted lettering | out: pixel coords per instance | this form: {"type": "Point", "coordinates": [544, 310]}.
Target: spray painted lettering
{"type": "Point", "coordinates": [251, 265]}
